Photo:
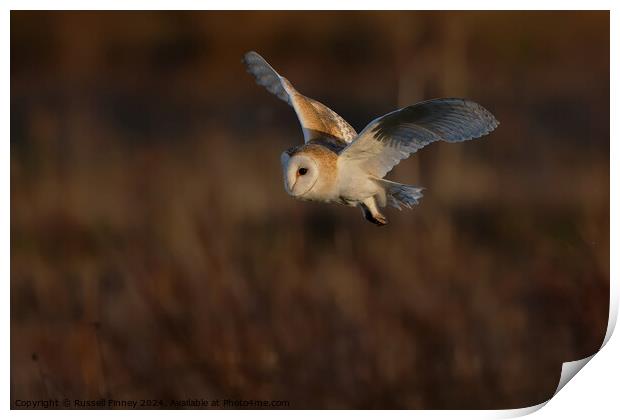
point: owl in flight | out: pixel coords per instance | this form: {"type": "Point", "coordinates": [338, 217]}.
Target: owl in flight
{"type": "Point", "coordinates": [337, 165]}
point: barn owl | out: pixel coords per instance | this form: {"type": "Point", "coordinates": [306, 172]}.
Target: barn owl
{"type": "Point", "coordinates": [337, 165]}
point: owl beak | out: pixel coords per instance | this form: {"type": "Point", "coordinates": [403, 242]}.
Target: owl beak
{"type": "Point", "coordinates": [291, 186]}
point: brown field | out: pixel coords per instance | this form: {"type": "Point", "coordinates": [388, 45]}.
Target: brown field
{"type": "Point", "coordinates": [155, 254]}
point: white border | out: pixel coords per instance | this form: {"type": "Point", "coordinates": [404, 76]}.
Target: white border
{"type": "Point", "coordinates": [594, 393]}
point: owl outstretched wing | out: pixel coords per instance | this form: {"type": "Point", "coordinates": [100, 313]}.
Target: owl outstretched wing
{"type": "Point", "coordinates": [317, 121]}
{"type": "Point", "coordinates": [393, 137]}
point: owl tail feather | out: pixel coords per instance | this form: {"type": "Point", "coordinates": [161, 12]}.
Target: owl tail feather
{"type": "Point", "coordinates": [400, 195]}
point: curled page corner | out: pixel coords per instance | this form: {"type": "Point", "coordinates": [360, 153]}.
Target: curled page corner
{"type": "Point", "coordinates": [569, 369]}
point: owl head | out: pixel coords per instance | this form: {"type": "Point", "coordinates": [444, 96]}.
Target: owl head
{"type": "Point", "coordinates": [301, 172]}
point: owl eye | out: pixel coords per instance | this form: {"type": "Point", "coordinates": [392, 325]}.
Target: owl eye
{"type": "Point", "coordinates": [302, 171]}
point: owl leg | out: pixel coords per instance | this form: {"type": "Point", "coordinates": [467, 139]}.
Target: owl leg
{"type": "Point", "coordinates": [372, 213]}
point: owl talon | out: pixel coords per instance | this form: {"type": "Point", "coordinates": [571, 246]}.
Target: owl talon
{"type": "Point", "coordinates": [379, 220]}
{"type": "Point", "coordinates": [376, 218]}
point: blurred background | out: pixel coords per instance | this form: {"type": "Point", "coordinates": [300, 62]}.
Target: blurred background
{"type": "Point", "coordinates": [155, 254]}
